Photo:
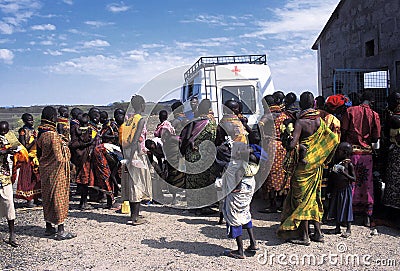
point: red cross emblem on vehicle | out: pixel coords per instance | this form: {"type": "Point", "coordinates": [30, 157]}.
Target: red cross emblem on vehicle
{"type": "Point", "coordinates": [236, 70]}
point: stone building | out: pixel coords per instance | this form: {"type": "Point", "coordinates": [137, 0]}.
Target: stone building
{"type": "Point", "coordinates": [359, 48]}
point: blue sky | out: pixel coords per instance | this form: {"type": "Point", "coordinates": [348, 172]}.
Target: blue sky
{"type": "Point", "coordinates": [98, 52]}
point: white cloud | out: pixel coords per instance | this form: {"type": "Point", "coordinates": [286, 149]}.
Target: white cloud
{"type": "Point", "coordinates": [68, 2]}
{"type": "Point", "coordinates": [98, 23]}
{"type": "Point", "coordinates": [6, 56]}
{"type": "Point", "coordinates": [44, 27]}
{"type": "Point", "coordinates": [152, 45]}
{"type": "Point", "coordinates": [14, 13]}
{"type": "Point", "coordinates": [46, 42]}
{"type": "Point", "coordinates": [297, 16]}
{"type": "Point", "coordinates": [52, 53]}
{"type": "Point", "coordinates": [6, 28]}
{"type": "Point", "coordinates": [229, 21]}
{"type": "Point", "coordinates": [204, 43]}
{"type": "Point", "coordinates": [302, 71]}
{"type": "Point", "coordinates": [138, 55]}
{"type": "Point", "coordinates": [116, 8]}
{"type": "Point", "coordinates": [69, 50]}
{"type": "Point", "coordinates": [96, 43]}
{"type": "Point", "coordinates": [2, 41]}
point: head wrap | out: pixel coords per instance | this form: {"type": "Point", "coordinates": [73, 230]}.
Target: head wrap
{"type": "Point", "coordinates": [336, 101]}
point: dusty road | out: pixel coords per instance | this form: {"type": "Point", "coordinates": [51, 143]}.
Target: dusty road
{"type": "Point", "coordinates": [177, 240]}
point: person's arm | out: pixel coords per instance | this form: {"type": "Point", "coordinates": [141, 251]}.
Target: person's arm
{"type": "Point", "coordinates": [350, 172]}
{"type": "Point", "coordinates": [56, 146]}
{"type": "Point", "coordinates": [296, 135]}
{"type": "Point", "coordinates": [135, 141]}
{"type": "Point", "coordinates": [376, 129]}
{"type": "Point", "coordinates": [60, 128]}
{"type": "Point", "coordinates": [345, 123]}
{"type": "Point", "coordinates": [109, 135]}
{"type": "Point", "coordinates": [186, 133]}
{"type": "Point", "coordinates": [21, 136]}
{"type": "Point", "coordinates": [220, 136]}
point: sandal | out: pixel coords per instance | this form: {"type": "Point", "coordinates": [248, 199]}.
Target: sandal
{"type": "Point", "coordinates": [11, 242]}
{"type": "Point", "coordinates": [49, 232]}
{"type": "Point", "coordinates": [315, 239]}
{"type": "Point", "coordinates": [65, 236]}
{"type": "Point", "coordinates": [345, 234]}
{"type": "Point", "coordinates": [306, 242]}
{"type": "Point", "coordinates": [138, 221]}
{"type": "Point", "coordinates": [233, 254]}
{"type": "Point", "coordinates": [250, 249]}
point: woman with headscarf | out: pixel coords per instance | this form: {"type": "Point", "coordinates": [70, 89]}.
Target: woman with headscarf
{"type": "Point", "coordinates": [200, 130]}
{"type": "Point", "coordinates": [54, 157]}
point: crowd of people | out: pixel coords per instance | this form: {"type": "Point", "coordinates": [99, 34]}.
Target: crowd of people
{"type": "Point", "coordinates": [322, 152]}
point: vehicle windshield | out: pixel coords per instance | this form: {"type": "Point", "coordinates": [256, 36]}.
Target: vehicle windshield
{"type": "Point", "coordinates": [243, 94]}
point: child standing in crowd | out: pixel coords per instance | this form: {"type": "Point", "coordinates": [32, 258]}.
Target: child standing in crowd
{"type": "Point", "coordinates": [63, 123]}
{"type": "Point", "coordinates": [8, 145]}
{"type": "Point", "coordinates": [164, 124]}
{"type": "Point", "coordinates": [28, 184]}
{"type": "Point", "coordinates": [82, 147]}
{"type": "Point", "coordinates": [340, 180]}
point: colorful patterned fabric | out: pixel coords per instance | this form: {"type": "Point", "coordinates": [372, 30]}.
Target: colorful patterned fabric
{"type": "Point", "coordinates": [28, 183]}
{"type": "Point", "coordinates": [333, 123]}
{"type": "Point", "coordinates": [110, 128]}
{"type": "Point", "coordinates": [55, 176]}
{"type": "Point", "coordinates": [207, 131]}
{"type": "Point", "coordinates": [239, 133]}
{"type": "Point", "coordinates": [136, 179]}
{"type": "Point", "coordinates": [63, 125]}
{"type": "Point", "coordinates": [363, 190]}
{"type": "Point", "coordinates": [82, 155]}
{"type": "Point", "coordinates": [303, 201]}
{"type": "Point", "coordinates": [7, 141]}
{"type": "Point", "coordinates": [336, 101]}
{"type": "Point", "coordinates": [164, 125]}
{"type": "Point", "coordinates": [239, 194]}
{"type": "Point", "coordinates": [101, 170]}
{"type": "Point", "coordinates": [276, 177]}
{"type": "Point", "coordinates": [392, 188]}
{"type": "Point", "coordinates": [360, 124]}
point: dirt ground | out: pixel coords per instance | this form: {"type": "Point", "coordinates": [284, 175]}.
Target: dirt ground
{"type": "Point", "coordinates": [176, 239]}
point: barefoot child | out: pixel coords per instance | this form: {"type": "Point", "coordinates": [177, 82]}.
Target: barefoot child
{"type": "Point", "coordinates": [240, 185]}
{"type": "Point", "coordinates": [341, 179]}
{"type": "Point", "coordinates": [8, 144]}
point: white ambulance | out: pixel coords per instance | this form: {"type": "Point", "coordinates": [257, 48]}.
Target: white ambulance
{"type": "Point", "coordinates": [245, 78]}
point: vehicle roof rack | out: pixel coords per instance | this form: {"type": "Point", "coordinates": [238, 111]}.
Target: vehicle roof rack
{"type": "Point", "coordinates": [224, 60]}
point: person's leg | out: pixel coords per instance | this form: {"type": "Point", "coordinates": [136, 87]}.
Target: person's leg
{"type": "Point", "coordinates": [135, 216]}
{"type": "Point", "coordinates": [62, 234]}
{"type": "Point", "coordinates": [273, 204]}
{"type": "Point", "coordinates": [83, 205]}
{"type": "Point", "coordinates": [221, 218]}
{"type": "Point", "coordinates": [110, 201]}
{"type": "Point", "coordinates": [337, 228]}
{"type": "Point", "coordinates": [304, 238]}
{"type": "Point", "coordinates": [239, 242]}
{"type": "Point", "coordinates": [60, 229]}
{"type": "Point", "coordinates": [317, 236]}
{"type": "Point", "coordinates": [50, 230]}
{"type": "Point", "coordinates": [11, 230]}
{"type": "Point", "coordinates": [348, 230]}
{"type": "Point", "coordinates": [253, 243]}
